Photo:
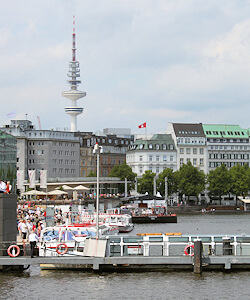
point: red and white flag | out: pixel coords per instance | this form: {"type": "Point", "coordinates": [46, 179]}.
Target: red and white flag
{"type": "Point", "coordinates": [142, 125]}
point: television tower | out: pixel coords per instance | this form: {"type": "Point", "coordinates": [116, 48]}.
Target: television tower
{"type": "Point", "coordinates": [74, 94]}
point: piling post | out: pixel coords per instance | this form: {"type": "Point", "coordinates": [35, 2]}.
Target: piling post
{"type": "Point", "coordinates": [197, 256]}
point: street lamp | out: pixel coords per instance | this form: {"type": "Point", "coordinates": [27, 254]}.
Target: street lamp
{"type": "Point", "coordinates": [97, 150]}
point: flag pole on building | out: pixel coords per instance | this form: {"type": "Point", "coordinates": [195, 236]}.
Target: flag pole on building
{"type": "Point", "coordinates": [144, 125]}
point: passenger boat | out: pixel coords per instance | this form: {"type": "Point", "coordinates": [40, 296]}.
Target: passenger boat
{"type": "Point", "coordinates": [70, 237]}
{"type": "Point", "coordinates": [124, 222]}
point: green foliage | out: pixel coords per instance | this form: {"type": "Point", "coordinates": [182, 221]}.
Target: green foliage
{"type": "Point", "coordinates": [92, 174]}
{"type": "Point", "coordinates": [240, 179]}
{"type": "Point", "coordinates": [123, 171]}
{"type": "Point", "coordinates": [191, 181]}
{"type": "Point", "coordinates": [146, 183]}
{"type": "Point", "coordinates": [219, 181]}
{"type": "Point", "coordinates": [171, 180]}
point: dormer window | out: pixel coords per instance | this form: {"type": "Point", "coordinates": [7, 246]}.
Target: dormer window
{"type": "Point", "coordinates": [150, 146]}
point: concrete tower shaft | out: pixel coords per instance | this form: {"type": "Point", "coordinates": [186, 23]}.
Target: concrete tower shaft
{"type": "Point", "coordinates": [74, 94]}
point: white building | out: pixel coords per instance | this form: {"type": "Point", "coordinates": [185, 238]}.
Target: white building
{"type": "Point", "coordinates": [155, 154]}
{"type": "Point", "coordinates": [190, 143]}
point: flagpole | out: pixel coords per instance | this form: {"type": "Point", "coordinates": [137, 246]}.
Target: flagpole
{"type": "Point", "coordinates": [146, 131]}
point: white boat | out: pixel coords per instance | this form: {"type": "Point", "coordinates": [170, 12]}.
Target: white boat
{"type": "Point", "coordinates": [69, 239]}
{"type": "Point", "coordinates": [124, 222]}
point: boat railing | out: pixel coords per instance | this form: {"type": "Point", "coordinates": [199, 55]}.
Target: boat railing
{"type": "Point", "coordinates": [162, 245]}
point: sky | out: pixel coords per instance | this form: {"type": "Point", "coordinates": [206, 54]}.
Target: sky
{"type": "Point", "coordinates": [153, 61]}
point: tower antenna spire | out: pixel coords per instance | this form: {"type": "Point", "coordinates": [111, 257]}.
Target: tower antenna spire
{"type": "Point", "coordinates": [74, 94]}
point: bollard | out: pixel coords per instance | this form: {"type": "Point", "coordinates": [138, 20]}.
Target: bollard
{"type": "Point", "coordinates": [227, 248]}
{"type": "Point", "coordinates": [197, 256]}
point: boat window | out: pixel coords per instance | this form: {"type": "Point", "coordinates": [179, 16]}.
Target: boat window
{"type": "Point", "coordinates": [178, 239]}
{"type": "Point", "coordinates": [115, 240]}
{"type": "Point", "coordinates": [156, 238]}
{"type": "Point", "coordinates": [132, 240]}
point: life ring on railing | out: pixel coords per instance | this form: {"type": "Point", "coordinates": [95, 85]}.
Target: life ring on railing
{"type": "Point", "coordinates": [186, 250]}
{"type": "Point", "coordinates": [62, 245]}
{"type": "Point", "coordinates": [10, 251]}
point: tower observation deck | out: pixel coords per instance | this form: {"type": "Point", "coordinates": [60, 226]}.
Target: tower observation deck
{"type": "Point", "coordinates": [74, 94]}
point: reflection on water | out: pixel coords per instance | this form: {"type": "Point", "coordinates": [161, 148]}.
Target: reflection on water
{"type": "Point", "coordinates": [37, 284]}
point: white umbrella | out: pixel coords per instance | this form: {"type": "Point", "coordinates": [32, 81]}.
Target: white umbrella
{"type": "Point", "coordinates": [81, 188]}
{"type": "Point", "coordinates": [65, 187]}
{"type": "Point", "coordinates": [57, 192]}
{"type": "Point", "coordinates": [34, 192]}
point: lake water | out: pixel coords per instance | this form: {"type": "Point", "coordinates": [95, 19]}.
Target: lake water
{"type": "Point", "coordinates": [42, 284]}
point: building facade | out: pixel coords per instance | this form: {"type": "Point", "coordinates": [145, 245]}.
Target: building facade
{"type": "Point", "coordinates": [154, 154]}
{"type": "Point", "coordinates": [226, 144]}
{"type": "Point", "coordinates": [114, 150]}
{"type": "Point", "coordinates": [190, 143]}
{"type": "Point", "coordinates": [58, 152]}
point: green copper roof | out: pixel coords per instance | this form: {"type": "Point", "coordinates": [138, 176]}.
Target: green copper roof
{"type": "Point", "coordinates": [157, 142]}
{"type": "Point", "coordinates": [225, 131]}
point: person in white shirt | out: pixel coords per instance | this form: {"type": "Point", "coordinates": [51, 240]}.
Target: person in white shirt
{"type": "Point", "coordinates": [2, 186]}
{"type": "Point", "coordinates": [33, 238]}
{"type": "Point", "coordinates": [24, 229]}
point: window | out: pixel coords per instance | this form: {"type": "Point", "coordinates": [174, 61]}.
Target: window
{"type": "Point", "coordinates": [201, 150]}
{"type": "Point", "coordinates": [72, 162]}
{"type": "Point", "coordinates": [181, 150]}
{"type": "Point", "coordinates": [66, 171]}
{"type": "Point", "coordinates": [54, 152]}
{"type": "Point", "coordinates": [66, 161]}
{"type": "Point", "coordinates": [140, 169]}
{"type": "Point", "coordinates": [201, 162]}
{"type": "Point", "coordinates": [194, 150]}
{"type": "Point", "coordinates": [54, 170]}
{"type": "Point", "coordinates": [181, 161]}
{"type": "Point", "coordinates": [188, 160]}
{"type": "Point", "coordinates": [157, 169]}
{"type": "Point", "coordinates": [140, 158]}
{"type": "Point", "coordinates": [194, 162]}
{"type": "Point", "coordinates": [188, 150]}
{"type": "Point", "coordinates": [171, 158]}
{"type": "Point", "coordinates": [150, 146]}
{"type": "Point", "coordinates": [164, 157]}
{"type": "Point", "coordinates": [157, 157]}
{"type": "Point", "coordinates": [150, 157]}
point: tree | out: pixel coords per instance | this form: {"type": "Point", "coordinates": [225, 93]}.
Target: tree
{"type": "Point", "coordinates": [123, 171]}
{"type": "Point", "coordinates": [172, 182]}
{"type": "Point", "coordinates": [145, 184]}
{"type": "Point", "coordinates": [240, 180]}
{"type": "Point", "coordinates": [92, 174]}
{"type": "Point", "coordinates": [191, 181]}
{"type": "Point", "coordinates": [219, 182]}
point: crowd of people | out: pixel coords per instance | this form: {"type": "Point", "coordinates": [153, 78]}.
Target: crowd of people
{"type": "Point", "coordinates": [30, 224]}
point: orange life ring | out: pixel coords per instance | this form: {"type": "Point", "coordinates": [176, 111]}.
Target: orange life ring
{"type": "Point", "coordinates": [11, 247]}
{"type": "Point", "coordinates": [186, 250]}
{"type": "Point", "coordinates": [65, 248]}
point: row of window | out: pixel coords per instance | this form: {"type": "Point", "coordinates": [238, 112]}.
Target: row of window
{"type": "Point", "coordinates": [224, 133]}
{"type": "Point", "coordinates": [39, 152]}
{"type": "Point", "coordinates": [60, 152]}
{"type": "Point", "coordinates": [191, 141]}
{"type": "Point", "coordinates": [36, 143]}
{"type": "Point", "coordinates": [154, 169]}
{"type": "Point", "coordinates": [158, 158]}
{"type": "Point", "coordinates": [227, 164]}
{"type": "Point", "coordinates": [60, 144]}
{"type": "Point", "coordinates": [64, 171]}
{"type": "Point", "coordinates": [39, 161]}
{"type": "Point", "coordinates": [61, 161]}
{"type": "Point", "coordinates": [228, 147]}
{"type": "Point", "coordinates": [195, 150]}
{"type": "Point", "coordinates": [228, 140]}
{"type": "Point", "coordinates": [228, 156]}
{"type": "Point", "coordinates": [194, 161]}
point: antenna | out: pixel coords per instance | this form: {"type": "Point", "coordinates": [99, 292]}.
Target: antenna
{"type": "Point", "coordinates": [39, 123]}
